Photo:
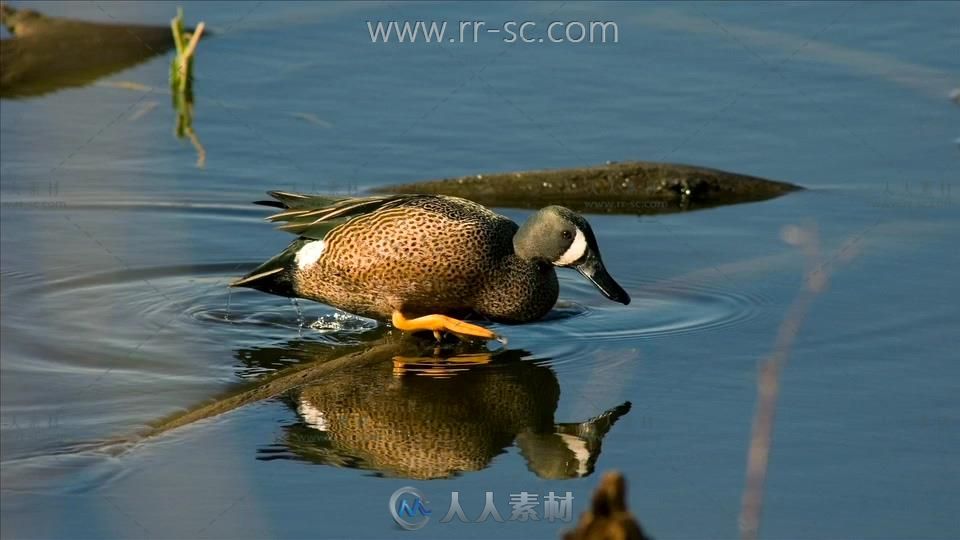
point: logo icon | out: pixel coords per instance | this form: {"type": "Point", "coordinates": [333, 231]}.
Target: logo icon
{"type": "Point", "coordinates": [408, 506]}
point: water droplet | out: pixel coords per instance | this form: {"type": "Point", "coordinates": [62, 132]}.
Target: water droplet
{"type": "Point", "coordinates": [296, 306]}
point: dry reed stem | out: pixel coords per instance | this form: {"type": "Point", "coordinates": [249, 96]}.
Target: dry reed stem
{"type": "Point", "coordinates": [768, 384]}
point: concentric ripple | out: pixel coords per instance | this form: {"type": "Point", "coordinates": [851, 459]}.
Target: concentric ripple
{"type": "Point", "coordinates": [589, 325]}
{"type": "Point", "coordinates": [195, 300]}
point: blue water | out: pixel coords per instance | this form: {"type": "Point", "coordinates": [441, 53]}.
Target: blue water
{"type": "Point", "coordinates": [116, 249]}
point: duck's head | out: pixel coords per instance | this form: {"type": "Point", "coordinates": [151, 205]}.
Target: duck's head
{"type": "Point", "coordinates": [563, 238]}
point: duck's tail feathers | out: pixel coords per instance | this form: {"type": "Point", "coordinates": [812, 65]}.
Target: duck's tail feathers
{"type": "Point", "coordinates": [274, 276]}
{"type": "Point", "coordinates": [598, 426]}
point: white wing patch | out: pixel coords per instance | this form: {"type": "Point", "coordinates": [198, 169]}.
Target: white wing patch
{"type": "Point", "coordinates": [309, 253]}
{"type": "Point", "coordinates": [312, 416]}
{"type": "Point", "coordinates": [575, 252]}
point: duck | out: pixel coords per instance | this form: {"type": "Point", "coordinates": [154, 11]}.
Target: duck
{"type": "Point", "coordinates": [427, 262]}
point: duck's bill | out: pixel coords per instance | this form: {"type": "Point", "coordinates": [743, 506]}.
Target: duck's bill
{"type": "Point", "coordinates": [592, 268]}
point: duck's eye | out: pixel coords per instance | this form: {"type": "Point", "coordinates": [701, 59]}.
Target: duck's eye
{"type": "Point", "coordinates": [566, 235]}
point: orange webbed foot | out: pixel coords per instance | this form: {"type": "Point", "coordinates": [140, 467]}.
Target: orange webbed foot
{"type": "Point", "coordinates": [442, 323]}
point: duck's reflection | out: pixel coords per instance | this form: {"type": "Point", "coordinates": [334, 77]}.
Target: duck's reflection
{"type": "Point", "coordinates": [436, 416]}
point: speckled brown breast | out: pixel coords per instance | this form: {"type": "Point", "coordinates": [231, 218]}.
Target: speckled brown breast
{"type": "Point", "coordinates": [428, 255]}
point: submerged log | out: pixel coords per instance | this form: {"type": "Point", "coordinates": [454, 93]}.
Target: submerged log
{"type": "Point", "coordinates": [50, 53]}
{"type": "Point", "coordinates": [633, 187]}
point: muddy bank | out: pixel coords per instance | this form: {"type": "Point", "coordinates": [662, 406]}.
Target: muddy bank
{"type": "Point", "coordinates": [635, 187]}
{"type": "Point", "coordinates": [51, 53]}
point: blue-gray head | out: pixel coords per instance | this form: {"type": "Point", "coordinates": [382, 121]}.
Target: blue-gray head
{"type": "Point", "coordinates": [563, 238]}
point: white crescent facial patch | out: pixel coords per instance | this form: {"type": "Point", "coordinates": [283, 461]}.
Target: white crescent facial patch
{"type": "Point", "coordinates": [575, 252]}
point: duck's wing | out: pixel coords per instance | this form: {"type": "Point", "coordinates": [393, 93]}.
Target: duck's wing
{"type": "Point", "coordinates": [312, 216]}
